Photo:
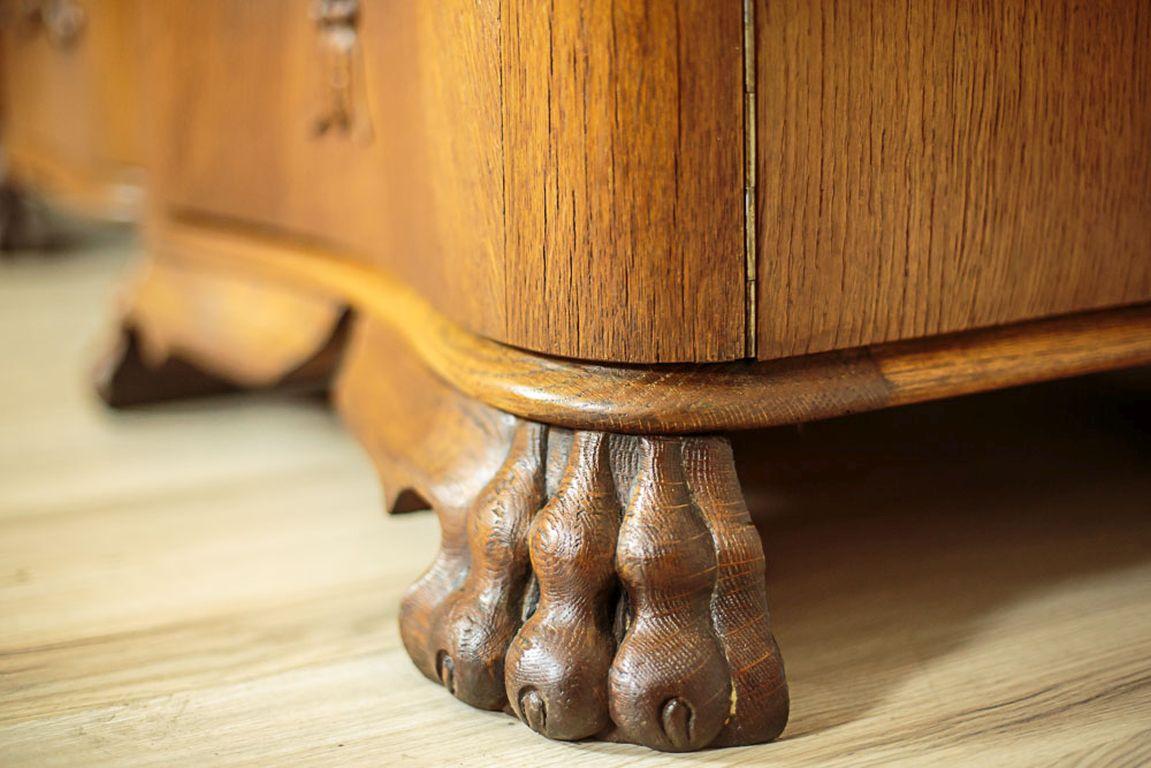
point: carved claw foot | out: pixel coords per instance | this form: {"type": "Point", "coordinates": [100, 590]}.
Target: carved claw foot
{"type": "Point", "coordinates": [605, 586]}
{"type": "Point", "coordinates": [591, 584]}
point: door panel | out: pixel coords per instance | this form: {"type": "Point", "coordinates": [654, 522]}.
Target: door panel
{"type": "Point", "coordinates": [937, 166]}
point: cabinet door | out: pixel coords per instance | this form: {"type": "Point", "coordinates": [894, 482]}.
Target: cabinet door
{"type": "Point", "coordinates": [935, 166]}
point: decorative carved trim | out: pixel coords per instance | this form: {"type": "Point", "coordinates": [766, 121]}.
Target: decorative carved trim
{"type": "Point", "coordinates": [683, 398]}
{"type": "Point", "coordinates": [337, 24]}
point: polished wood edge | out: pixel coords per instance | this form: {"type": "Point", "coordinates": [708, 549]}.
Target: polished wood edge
{"type": "Point", "coordinates": [680, 398]}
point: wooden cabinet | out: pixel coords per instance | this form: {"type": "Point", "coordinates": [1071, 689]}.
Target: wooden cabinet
{"type": "Point", "coordinates": [552, 244]}
{"type": "Point", "coordinates": [70, 102]}
{"type": "Point", "coordinates": [576, 180]}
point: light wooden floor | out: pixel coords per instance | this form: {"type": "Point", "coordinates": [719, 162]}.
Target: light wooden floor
{"type": "Point", "coordinates": [214, 584]}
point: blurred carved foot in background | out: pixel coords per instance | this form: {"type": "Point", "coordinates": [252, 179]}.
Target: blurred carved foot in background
{"type": "Point", "coordinates": [190, 333]}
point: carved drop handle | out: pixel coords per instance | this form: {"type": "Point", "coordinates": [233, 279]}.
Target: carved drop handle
{"type": "Point", "coordinates": [337, 22]}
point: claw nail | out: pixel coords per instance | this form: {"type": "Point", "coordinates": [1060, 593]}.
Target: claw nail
{"type": "Point", "coordinates": [533, 710]}
{"type": "Point", "coordinates": [677, 721]}
{"type": "Point", "coordinates": [446, 670]}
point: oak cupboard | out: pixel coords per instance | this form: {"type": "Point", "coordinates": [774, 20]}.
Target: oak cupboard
{"type": "Point", "coordinates": [551, 251]}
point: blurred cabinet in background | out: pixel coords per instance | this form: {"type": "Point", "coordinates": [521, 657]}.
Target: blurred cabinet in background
{"type": "Point", "coordinates": [71, 102]}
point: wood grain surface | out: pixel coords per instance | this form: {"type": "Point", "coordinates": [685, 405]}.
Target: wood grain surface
{"type": "Point", "coordinates": [564, 177]}
{"type": "Point", "coordinates": [214, 584]}
{"type": "Point", "coordinates": [508, 162]}
{"type": "Point", "coordinates": [933, 167]}
{"type": "Point", "coordinates": [623, 179]}
{"type": "Point", "coordinates": [235, 90]}
{"type": "Point", "coordinates": [670, 399]}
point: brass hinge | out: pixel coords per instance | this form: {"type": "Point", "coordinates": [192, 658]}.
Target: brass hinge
{"type": "Point", "coordinates": [749, 182]}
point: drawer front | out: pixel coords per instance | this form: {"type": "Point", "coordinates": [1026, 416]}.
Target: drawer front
{"type": "Point", "coordinates": [71, 98]}
{"type": "Point", "coordinates": [263, 116]}
{"type": "Point", "coordinates": [501, 156]}
{"type": "Point", "coordinates": [408, 179]}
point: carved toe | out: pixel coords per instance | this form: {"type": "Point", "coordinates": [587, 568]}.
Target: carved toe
{"type": "Point", "coordinates": [559, 661]}
{"type": "Point", "coordinates": [424, 602]}
{"type": "Point", "coordinates": [669, 685]}
{"type": "Point", "coordinates": [482, 616]}
{"type": "Point", "coordinates": [759, 706]}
